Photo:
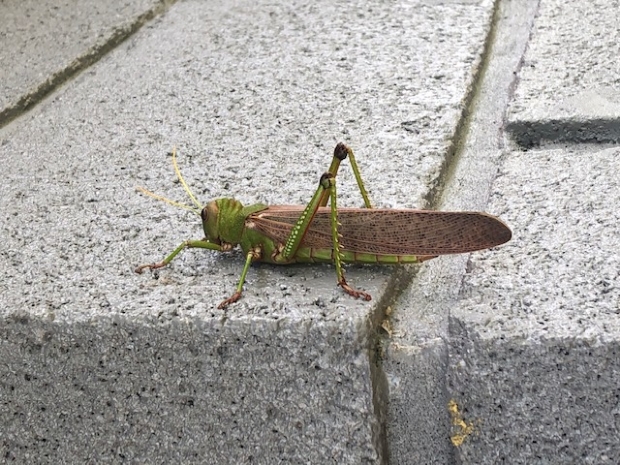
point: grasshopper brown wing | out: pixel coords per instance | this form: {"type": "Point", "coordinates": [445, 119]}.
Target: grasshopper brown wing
{"type": "Point", "coordinates": [388, 231]}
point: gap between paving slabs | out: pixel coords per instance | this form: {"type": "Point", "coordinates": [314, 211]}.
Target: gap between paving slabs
{"type": "Point", "coordinates": [404, 277]}
{"type": "Point", "coordinates": [467, 185]}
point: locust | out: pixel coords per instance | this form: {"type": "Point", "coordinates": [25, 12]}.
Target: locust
{"type": "Point", "coordinates": [285, 234]}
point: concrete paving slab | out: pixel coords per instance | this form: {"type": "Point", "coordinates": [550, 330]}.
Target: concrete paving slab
{"type": "Point", "coordinates": [534, 342]}
{"type": "Point", "coordinates": [568, 83]}
{"type": "Point", "coordinates": [44, 43]}
{"type": "Point", "coordinates": [255, 95]}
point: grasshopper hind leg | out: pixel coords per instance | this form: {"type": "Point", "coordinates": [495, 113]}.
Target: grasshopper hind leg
{"type": "Point", "coordinates": [326, 192]}
{"type": "Point", "coordinates": [328, 181]}
{"type": "Point", "coordinates": [341, 152]}
{"type": "Point", "coordinates": [231, 300]}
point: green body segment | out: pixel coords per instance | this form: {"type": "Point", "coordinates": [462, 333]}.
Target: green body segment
{"type": "Point", "coordinates": [310, 255]}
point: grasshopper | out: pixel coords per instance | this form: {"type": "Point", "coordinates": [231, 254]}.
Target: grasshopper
{"type": "Point", "coordinates": [284, 234]}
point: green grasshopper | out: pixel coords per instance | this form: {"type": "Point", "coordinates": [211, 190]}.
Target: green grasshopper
{"type": "Point", "coordinates": [284, 234]}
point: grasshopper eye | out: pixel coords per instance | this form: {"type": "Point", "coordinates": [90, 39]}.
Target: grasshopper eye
{"type": "Point", "coordinates": [205, 215]}
{"type": "Point", "coordinates": [209, 215]}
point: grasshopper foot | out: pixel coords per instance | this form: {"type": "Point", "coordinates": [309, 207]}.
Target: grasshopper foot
{"type": "Point", "coordinates": [232, 299]}
{"type": "Point", "coordinates": [354, 292]}
{"type": "Point", "coordinates": [151, 266]}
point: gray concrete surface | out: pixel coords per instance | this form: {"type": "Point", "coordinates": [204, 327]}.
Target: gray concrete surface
{"type": "Point", "coordinates": [100, 364]}
{"type": "Point", "coordinates": [533, 347]}
{"type": "Point", "coordinates": [568, 84]}
{"type": "Point", "coordinates": [44, 43]}
{"type": "Point", "coordinates": [534, 343]}
{"type": "Point", "coordinates": [255, 96]}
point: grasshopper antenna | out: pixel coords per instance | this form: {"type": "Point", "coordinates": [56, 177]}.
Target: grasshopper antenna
{"type": "Point", "coordinates": [185, 186]}
{"type": "Point", "coordinates": [197, 210]}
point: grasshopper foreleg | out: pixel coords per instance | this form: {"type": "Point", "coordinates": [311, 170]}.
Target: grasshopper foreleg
{"type": "Point", "coordinates": [202, 244]}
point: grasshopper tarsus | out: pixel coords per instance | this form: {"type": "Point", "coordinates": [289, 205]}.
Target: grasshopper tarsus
{"type": "Point", "coordinates": [354, 292]}
{"type": "Point", "coordinates": [232, 299]}
{"type": "Point", "coordinates": [151, 266]}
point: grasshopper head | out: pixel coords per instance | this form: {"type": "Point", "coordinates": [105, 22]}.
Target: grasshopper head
{"type": "Point", "coordinates": [223, 221]}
